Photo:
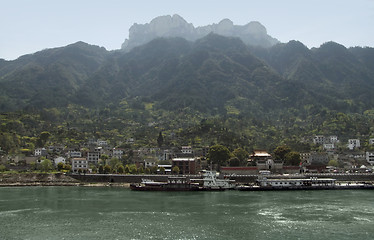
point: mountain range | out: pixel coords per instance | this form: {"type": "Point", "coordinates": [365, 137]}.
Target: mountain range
{"type": "Point", "coordinates": [213, 75]}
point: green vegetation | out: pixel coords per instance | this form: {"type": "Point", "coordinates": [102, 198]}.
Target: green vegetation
{"type": "Point", "coordinates": [171, 92]}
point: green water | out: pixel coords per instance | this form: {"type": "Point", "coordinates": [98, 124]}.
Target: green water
{"type": "Point", "coordinates": [117, 213]}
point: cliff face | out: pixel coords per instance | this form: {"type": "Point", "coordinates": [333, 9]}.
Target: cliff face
{"type": "Point", "coordinates": [252, 33]}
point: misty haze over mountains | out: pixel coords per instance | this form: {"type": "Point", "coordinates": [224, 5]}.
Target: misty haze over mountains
{"type": "Point", "coordinates": [252, 33]}
{"type": "Point", "coordinates": [210, 69]}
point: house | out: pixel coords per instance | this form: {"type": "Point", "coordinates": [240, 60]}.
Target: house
{"type": "Point", "coordinates": [259, 155]}
{"type": "Point", "coordinates": [150, 162]}
{"type": "Point", "coordinates": [187, 150]}
{"type": "Point", "coordinates": [93, 157]}
{"type": "Point", "coordinates": [117, 152]}
{"type": "Point", "coordinates": [57, 160]}
{"type": "Point", "coordinates": [185, 165]}
{"type": "Point", "coordinates": [319, 139]}
{"type": "Point", "coordinates": [166, 155]}
{"type": "Point", "coordinates": [333, 139]}
{"type": "Point", "coordinates": [371, 141]}
{"type": "Point", "coordinates": [318, 158]}
{"type": "Point", "coordinates": [370, 157]}
{"type": "Point", "coordinates": [102, 142]}
{"type": "Point", "coordinates": [167, 168]}
{"type": "Point", "coordinates": [74, 154]}
{"type": "Point", "coordinates": [353, 143]}
{"type": "Point", "coordinates": [328, 146]}
{"type": "Point", "coordinates": [269, 164]}
{"type": "Point", "coordinates": [305, 158]}
{"type": "Point", "coordinates": [40, 152]}
{"type": "Point", "coordinates": [79, 164]}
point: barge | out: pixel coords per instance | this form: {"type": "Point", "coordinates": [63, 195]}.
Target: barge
{"type": "Point", "coordinates": [314, 183]}
{"type": "Point", "coordinates": [209, 182]}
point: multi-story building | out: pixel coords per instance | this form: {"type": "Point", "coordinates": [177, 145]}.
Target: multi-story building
{"type": "Point", "coordinates": [185, 165]}
{"type": "Point", "coordinates": [353, 143]}
{"type": "Point", "coordinates": [370, 157]}
{"type": "Point", "coordinates": [93, 157]}
{"type": "Point", "coordinates": [117, 152]}
{"type": "Point", "coordinates": [319, 139]}
{"type": "Point", "coordinates": [79, 163]}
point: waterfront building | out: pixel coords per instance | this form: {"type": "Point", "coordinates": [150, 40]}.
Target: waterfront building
{"type": "Point", "coordinates": [93, 157]}
{"type": "Point", "coordinates": [185, 165]}
{"type": "Point", "coordinates": [79, 164]}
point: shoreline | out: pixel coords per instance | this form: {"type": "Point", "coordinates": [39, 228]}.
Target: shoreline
{"type": "Point", "coordinates": [58, 184]}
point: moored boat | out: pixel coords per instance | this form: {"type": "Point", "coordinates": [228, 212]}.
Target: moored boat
{"type": "Point", "coordinates": [314, 183]}
{"type": "Point", "coordinates": [173, 184]}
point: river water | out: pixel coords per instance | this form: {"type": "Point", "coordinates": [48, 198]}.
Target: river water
{"type": "Point", "coordinates": [118, 213]}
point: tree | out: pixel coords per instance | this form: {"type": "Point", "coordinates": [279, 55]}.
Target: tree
{"type": "Point", "coordinates": [104, 157]}
{"type": "Point", "coordinates": [127, 169]}
{"type": "Point", "coordinates": [107, 169]}
{"type": "Point", "coordinates": [2, 168]}
{"type": "Point", "coordinates": [114, 162]}
{"type": "Point", "coordinates": [121, 169]}
{"type": "Point", "coordinates": [292, 158]}
{"type": "Point", "coordinates": [60, 166]}
{"type": "Point", "coordinates": [333, 163]}
{"type": "Point", "coordinates": [133, 169]}
{"type": "Point", "coordinates": [242, 155]}
{"type": "Point", "coordinates": [160, 139]}
{"type": "Point", "coordinates": [234, 162]}
{"type": "Point", "coordinates": [218, 154]}
{"type": "Point", "coordinates": [101, 169]}
{"type": "Point", "coordinates": [162, 170]}
{"type": "Point", "coordinates": [281, 151]}
{"type": "Point", "coordinates": [46, 165]}
{"type": "Point", "coordinates": [175, 170]}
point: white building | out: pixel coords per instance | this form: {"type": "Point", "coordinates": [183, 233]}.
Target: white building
{"type": "Point", "coordinates": [319, 139]}
{"type": "Point", "coordinates": [58, 160]}
{"type": "Point", "coordinates": [150, 162]}
{"type": "Point", "coordinates": [79, 163]}
{"type": "Point", "coordinates": [353, 143]}
{"type": "Point", "coordinates": [328, 146]}
{"type": "Point", "coordinates": [40, 152]}
{"type": "Point", "coordinates": [333, 139]}
{"type": "Point", "coordinates": [370, 157]}
{"type": "Point", "coordinates": [117, 153]}
{"type": "Point", "coordinates": [187, 150]}
{"type": "Point", "coordinates": [371, 141]}
{"type": "Point", "coordinates": [102, 143]}
{"type": "Point", "coordinates": [75, 154]}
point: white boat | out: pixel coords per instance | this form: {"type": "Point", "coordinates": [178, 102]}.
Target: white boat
{"type": "Point", "coordinates": [211, 181]}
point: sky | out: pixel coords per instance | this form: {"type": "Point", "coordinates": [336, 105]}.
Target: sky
{"type": "Point", "coordinates": [28, 26]}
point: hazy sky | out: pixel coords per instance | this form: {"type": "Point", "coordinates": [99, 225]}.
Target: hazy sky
{"type": "Point", "coordinates": [27, 26]}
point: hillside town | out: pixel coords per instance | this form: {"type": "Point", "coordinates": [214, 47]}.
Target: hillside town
{"type": "Point", "coordinates": [97, 156]}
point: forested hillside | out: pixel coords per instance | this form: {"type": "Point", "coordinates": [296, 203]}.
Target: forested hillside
{"type": "Point", "coordinates": [213, 90]}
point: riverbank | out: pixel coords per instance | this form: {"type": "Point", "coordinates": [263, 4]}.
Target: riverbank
{"type": "Point", "coordinates": [49, 179]}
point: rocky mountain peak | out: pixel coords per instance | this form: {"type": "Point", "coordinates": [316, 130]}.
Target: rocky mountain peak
{"type": "Point", "coordinates": [253, 33]}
